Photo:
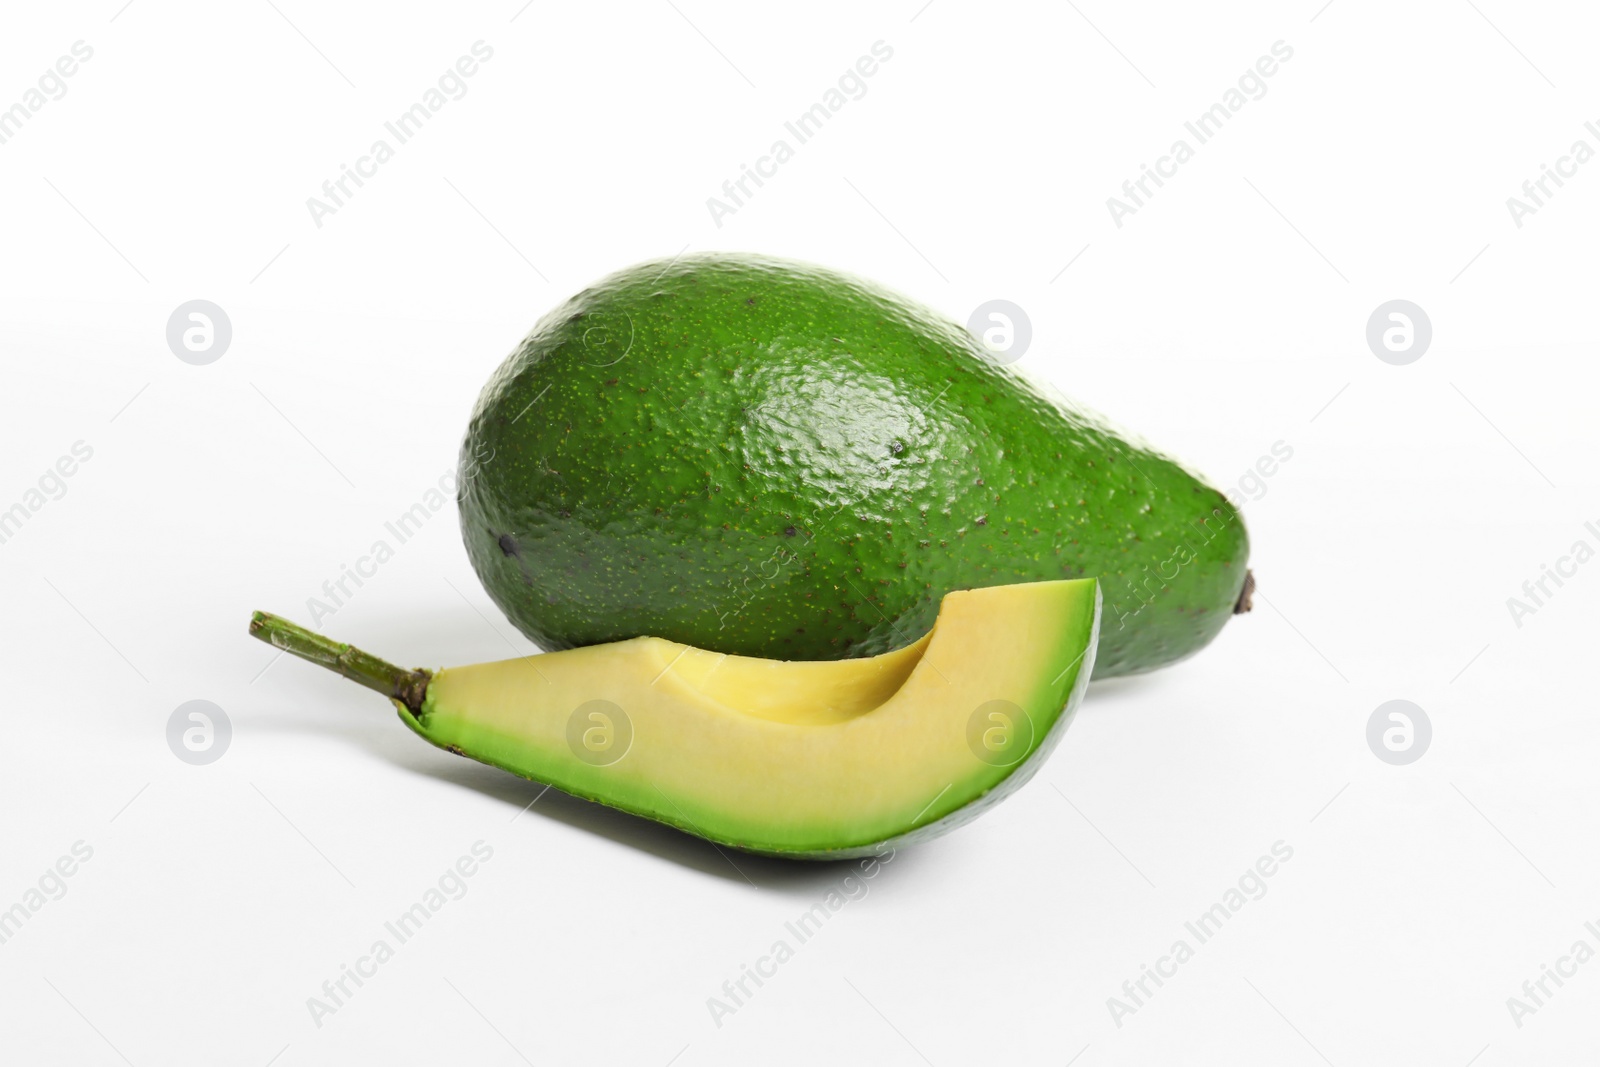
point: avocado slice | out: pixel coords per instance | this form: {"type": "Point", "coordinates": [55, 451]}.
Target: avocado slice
{"type": "Point", "coordinates": [767, 458]}
{"type": "Point", "coordinates": [813, 760]}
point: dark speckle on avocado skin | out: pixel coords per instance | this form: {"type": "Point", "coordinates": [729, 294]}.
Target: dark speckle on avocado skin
{"type": "Point", "coordinates": [767, 458]}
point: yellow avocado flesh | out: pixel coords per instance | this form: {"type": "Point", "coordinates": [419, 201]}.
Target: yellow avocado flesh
{"type": "Point", "coordinates": [817, 759]}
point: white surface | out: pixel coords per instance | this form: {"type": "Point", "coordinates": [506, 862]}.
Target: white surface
{"type": "Point", "coordinates": [219, 898]}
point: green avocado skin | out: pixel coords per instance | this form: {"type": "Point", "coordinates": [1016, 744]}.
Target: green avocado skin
{"type": "Point", "coordinates": [767, 458]}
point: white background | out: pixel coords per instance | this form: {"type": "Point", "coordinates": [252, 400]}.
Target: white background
{"type": "Point", "coordinates": [1226, 315]}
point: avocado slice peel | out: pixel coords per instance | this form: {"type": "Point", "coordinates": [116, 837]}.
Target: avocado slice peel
{"type": "Point", "coordinates": [800, 759]}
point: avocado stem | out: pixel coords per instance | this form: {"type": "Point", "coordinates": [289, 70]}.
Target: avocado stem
{"type": "Point", "coordinates": [1243, 604]}
{"type": "Point", "coordinates": [397, 683]}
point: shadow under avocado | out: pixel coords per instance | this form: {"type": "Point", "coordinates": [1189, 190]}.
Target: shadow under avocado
{"type": "Point", "coordinates": [1104, 691]}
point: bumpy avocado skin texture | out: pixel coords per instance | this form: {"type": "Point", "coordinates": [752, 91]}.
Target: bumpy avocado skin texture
{"type": "Point", "coordinates": [768, 458]}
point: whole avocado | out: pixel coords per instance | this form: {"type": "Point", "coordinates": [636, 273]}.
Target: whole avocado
{"type": "Point", "coordinates": [768, 458]}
